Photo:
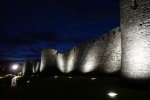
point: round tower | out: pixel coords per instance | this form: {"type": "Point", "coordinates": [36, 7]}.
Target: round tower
{"type": "Point", "coordinates": [135, 28]}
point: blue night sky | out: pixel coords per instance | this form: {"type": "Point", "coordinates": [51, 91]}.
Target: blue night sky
{"type": "Point", "coordinates": [27, 26]}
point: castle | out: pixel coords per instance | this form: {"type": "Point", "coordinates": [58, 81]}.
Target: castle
{"type": "Point", "coordinates": [125, 49]}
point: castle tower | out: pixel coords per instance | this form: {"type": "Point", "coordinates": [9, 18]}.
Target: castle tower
{"type": "Point", "coordinates": [135, 28]}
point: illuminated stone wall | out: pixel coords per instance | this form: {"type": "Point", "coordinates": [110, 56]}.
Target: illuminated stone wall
{"type": "Point", "coordinates": [36, 67]}
{"type": "Point", "coordinates": [48, 61]}
{"type": "Point", "coordinates": [135, 28]}
{"type": "Point", "coordinates": [101, 55]}
{"type": "Point", "coordinates": [30, 68]}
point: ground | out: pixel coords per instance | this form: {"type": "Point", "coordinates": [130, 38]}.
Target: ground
{"type": "Point", "coordinates": [74, 88]}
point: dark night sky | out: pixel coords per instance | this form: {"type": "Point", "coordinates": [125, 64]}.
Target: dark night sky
{"type": "Point", "coordinates": [27, 26]}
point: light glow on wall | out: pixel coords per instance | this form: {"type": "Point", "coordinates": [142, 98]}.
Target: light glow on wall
{"type": "Point", "coordinates": [137, 62]}
{"type": "Point", "coordinates": [70, 62]}
{"type": "Point", "coordinates": [61, 62]}
{"type": "Point", "coordinates": [42, 65]}
{"type": "Point", "coordinates": [37, 66]}
{"type": "Point", "coordinates": [33, 69]}
{"type": "Point", "coordinates": [24, 69]}
{"type": "Point", "coordinates": [90, 61]}
{"type": "Point", "coordinates": [89, 66]}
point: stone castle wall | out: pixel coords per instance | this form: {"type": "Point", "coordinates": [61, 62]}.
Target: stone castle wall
{"type": "Point", "coordinates": [101, 55]}
{"type": "Point", "coordinates": [127, 49]}
{"type": "Point", "coordinates": [30, 68]}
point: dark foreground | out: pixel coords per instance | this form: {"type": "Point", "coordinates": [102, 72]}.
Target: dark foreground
{"type": "Point", "coordinates": [75, 88]}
